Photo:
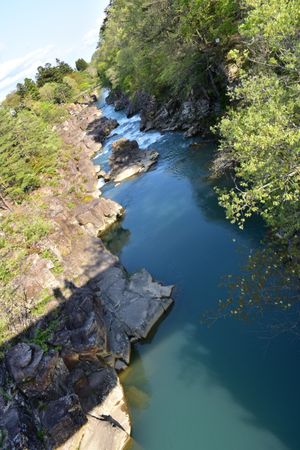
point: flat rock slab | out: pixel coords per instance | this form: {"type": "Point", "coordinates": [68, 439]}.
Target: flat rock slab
{"type": "Point", "coordinates": [137, 301]}
{"type": "Point", "coordinates": [108, 425]}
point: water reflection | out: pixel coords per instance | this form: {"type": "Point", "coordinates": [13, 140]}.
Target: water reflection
{"type": "Point", "coordinates": [116, 238]}
{"type": "Point", "coordinates": [267, 290]}
{"type": "Point", "coordinates": [195, 387]}
{"type": "Point", "coordinates": [199, 411]}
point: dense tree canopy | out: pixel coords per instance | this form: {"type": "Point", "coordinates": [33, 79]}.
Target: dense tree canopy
{"type": "Point", "coordinates": [29, 147]}
{"type": "Point", "coordinates": [81, 64]}
{"type": "Point", "coordinates": [261, 131]}
{"type": "Point", "coordinates": [48, 73]}
{"type": "Point", "coordinates": [244, 52]}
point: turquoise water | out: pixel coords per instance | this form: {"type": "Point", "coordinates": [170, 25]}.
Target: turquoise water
{"type": "Point", "coordinates": [190, 386]}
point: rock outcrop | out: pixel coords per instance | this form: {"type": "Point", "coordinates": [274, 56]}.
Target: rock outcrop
{"type": "Point", "coordinates": [98, 215]}
{"type": "Point", "coordinates": [127, 159]}
{"type": "Point", "coordinates": [58, 380]}
{"type": "Point", "coordinates": [65, 371]}
{"type": "Point", "coordinates": [192, 116]}
{"type": "Point", "coordinates": [102, 128]}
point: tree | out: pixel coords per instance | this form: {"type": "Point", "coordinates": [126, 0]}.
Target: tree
{"type": "Point", "coordinates": [260, 134]}
{"type": "Point", "coordinates": [62, 93]}
{"type": "Point", "coordinates": [49, 73]}
{"type": "Point", "coordinates": [81, 64]}
{"type": "Point", "coordinates": [47, 92]}
{"type": "Point", "coordinates": [28, 151]}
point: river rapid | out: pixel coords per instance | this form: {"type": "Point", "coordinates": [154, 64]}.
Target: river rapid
{"type": "Point", "coordinates": [190, 386]}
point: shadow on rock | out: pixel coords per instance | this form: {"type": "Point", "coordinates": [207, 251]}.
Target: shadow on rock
{"type": "Point", "coordinates": [59, 383]}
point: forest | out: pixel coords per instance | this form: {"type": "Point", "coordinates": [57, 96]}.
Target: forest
{"type": "Point", "coordinates": [243, 53]}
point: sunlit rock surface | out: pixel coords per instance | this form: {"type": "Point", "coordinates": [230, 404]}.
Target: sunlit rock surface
{"type": "Point", "coordinates": [127, 159]}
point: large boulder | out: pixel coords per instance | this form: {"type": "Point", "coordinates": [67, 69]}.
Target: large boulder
{"type": "Point", "coordinates": [98, 215]}
{"type": "Point", "coordinates": [61, 419]}
{"type": "Point", "coordinates": [101, 128]}
{"type": "Point", "coordinates": [137, 301]}
{"type": "Point", "coordinates": [128, 160]}
{"type": "Point", "coordinates": [82, 330]}
{"type": "Point", "coordinates": [118, 99]}
{"type": "Point", "coordinates": [17, 428]}
{"type": "Point", "coordinates": [37, 374]}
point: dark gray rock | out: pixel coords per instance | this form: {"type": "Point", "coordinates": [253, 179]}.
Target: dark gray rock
{"type": "Point", "coordinates": [23, 361]}
{"type": "Point", "coordinates": [61, 419]}
{"type": "Point", "coordinates": [38, 375]}
{"type": "Point", "coordinates": [127, 159]}
{"type": "Point", "coordinates": [118, 99]}
{"type": "Point", "coordinates": [137, 301]}
{"type": "Point", "coordinates": [101, 128]}
{"type": "Point", "coordinates": [17, 429]}
{"type": "Point", "coordinates": [92, 381]}
{"type": "Point", "coordinates": [82, 331]}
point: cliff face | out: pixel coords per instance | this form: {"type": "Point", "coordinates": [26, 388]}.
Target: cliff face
{"type": "Point", "coordinates": [59, 385]}
{"type": "Point", "coordinates": [193, 116]}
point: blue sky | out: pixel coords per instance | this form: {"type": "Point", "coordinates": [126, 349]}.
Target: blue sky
{"type": "Point", "coordinates": [33, 32]}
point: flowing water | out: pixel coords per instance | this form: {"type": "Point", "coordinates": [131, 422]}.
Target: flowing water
{"type": "Point", "coordinates": [190, 386]}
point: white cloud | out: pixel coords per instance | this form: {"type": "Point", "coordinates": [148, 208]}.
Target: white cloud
{"type": "Point", "coordinates": [90, 38]}
{"type": "Point", "coordinates": [15, 70]}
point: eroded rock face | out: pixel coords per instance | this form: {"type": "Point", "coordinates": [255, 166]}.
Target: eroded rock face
{"type": "Point", "coordinates": [193, 116]}
{"type": "Point", "coordinates": [18, 427]}
{"type": "Point", "coordinates": [102, 128]}
{"type": "Point", "coordinates": [98, 215]}
{"type": "Point", "coordinates": [118, 99]}
{"type": "Point", "coordinates": [59, 385]}
{"type": "Point", "coordinates": [70, 386]}
{"type": "Point", "coordinates": [128, 160]}
{"type": "Point", "coordinates": [62, 418]}
{"type": "Point", "coordinates": [138, 302]}
{"type": "Point", "coordinates": [37, 374]}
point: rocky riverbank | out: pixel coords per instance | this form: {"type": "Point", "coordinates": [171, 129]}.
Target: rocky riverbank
{"type": "Point", "coordinates": [58, 378]}
{"type": "Point", "coordinates": [192, 116]}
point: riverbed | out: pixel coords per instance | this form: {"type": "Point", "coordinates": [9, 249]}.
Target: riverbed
{"type": "Point", "coordinates": [190, 386]}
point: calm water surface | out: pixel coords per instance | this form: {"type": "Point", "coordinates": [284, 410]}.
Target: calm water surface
{"type": "Point", "coordinates": [193, 387]}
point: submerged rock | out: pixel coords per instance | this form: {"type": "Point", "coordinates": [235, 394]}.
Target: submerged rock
{"type": "Point", "coordinates": [128, 160]}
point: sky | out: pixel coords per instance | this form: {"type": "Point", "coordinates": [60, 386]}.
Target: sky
{"type": "Point", "coordinates": [33, 32]}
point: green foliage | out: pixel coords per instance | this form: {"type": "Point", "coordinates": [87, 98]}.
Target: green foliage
{"type": "Point", "coordinates": [28, 152]}
{"type": "Point", "coordinates": [32, 155]}
{"type": "Point", "coordinates": [28, 88]}
{"type": "Point", "coordinates": [20, 232]}
{"type": "Point", "coordinates": [50, 113]}
{"type": "Point", "coordinates": [42, 336]}
{"type": "Point", "coordinates": [261, 131]}
{"type": "Point", "coordinates": [62, 93]}
{"type": "Point", "coordinates": [48, 254]}
{"type": "Point", "coordinates": [52, 74]}
{"type": "Point", "coordinates": [167, 48]}
{"type": "Point", "coordinates": [81, 64]}
{"type": "Point", "coordinates": [47, 92]}
{"type": "Point", "coordinates": [186, 47]}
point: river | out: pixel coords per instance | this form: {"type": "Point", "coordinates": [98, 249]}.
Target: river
{"type": "Point", "coordinates": [191, 386]}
